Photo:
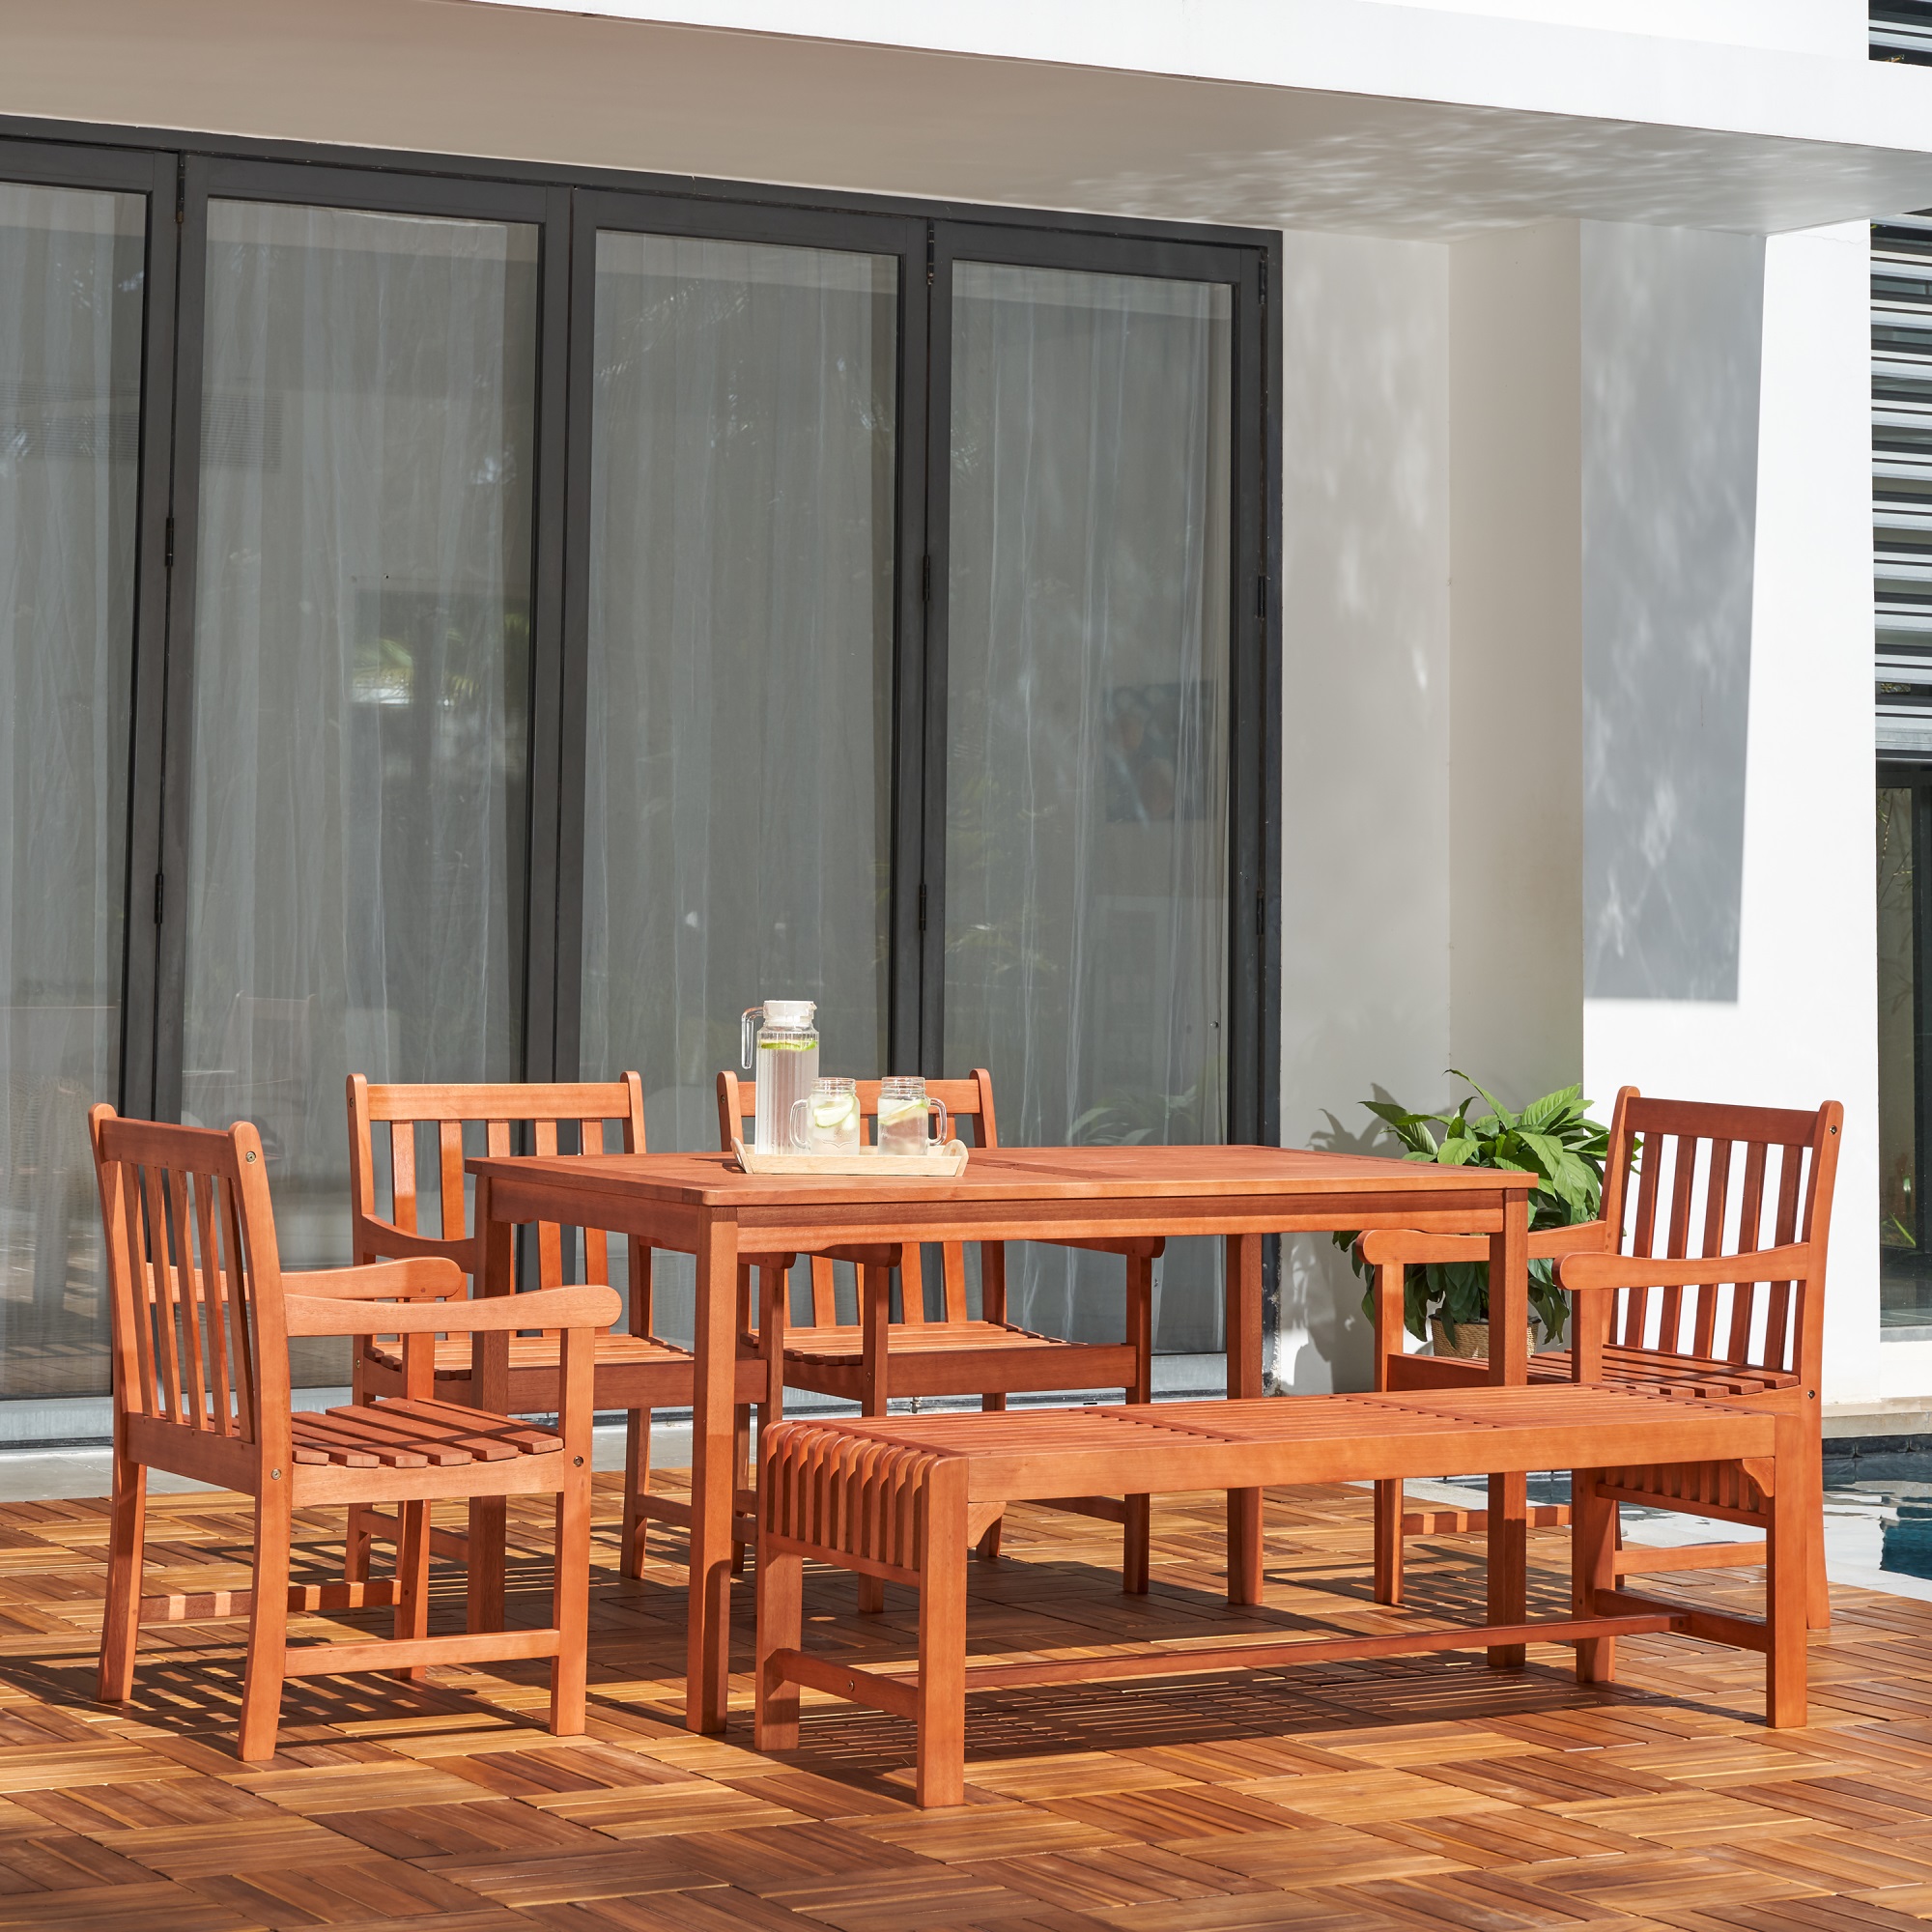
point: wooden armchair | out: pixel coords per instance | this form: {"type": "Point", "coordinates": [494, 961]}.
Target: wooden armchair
{"type": "Point", "coordinates": [201, 1318]}
{"type": "Point", "coordinates": [990, 1358]}
{"type": "Point", "coordinates": [1730, 1192]}
{"type": "Point", "coordinates": [635, 1372]}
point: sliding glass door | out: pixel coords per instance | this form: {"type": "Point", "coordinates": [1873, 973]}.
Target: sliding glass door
{"type": "Point", "coordinates": [457, 624]}
{"type": "Point", "coordinates": [72, 292]}
{"type": "Point", "coordinates": [355, 778]}
{"type": "Point", "coordinates": [740, 524]}
{"type": "Point", "coordinates": [1088, 689]}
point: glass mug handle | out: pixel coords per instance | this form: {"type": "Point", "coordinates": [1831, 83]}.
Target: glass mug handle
{"type": "Point", "coordinates": [801, 1130]}
{"type": "Point", "coordinates": [939, 1140]}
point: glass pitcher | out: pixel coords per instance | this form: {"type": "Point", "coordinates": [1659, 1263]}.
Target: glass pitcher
{"type": "Point", "coordinates": [784, 1057]}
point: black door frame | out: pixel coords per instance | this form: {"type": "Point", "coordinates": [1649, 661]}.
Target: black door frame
{"type": "Point", "coordinates": [155, 177]}
{"type": "Point", "coordinates": [850, 231]}
{"type": "Point", "coordinates": [208, 177]}
{"type": "Point", "coordinates": [1916, 780]}
{"type": "Point", "coordinates": [566, 202]}
{"type": "Point", "coordinates": [1253, 1036]}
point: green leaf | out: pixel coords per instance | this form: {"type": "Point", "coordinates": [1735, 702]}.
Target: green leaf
{"type": "Point", "coordinates": [1503, 1114]}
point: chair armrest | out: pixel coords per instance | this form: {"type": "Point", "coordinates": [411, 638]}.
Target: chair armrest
{"type": "Point", "coordinates": [1583, 1274]}
{"type": "Point", "coordinates": [384, 1239]}
{"type": "Point", "coordinates": [1381, 1247]}
{"type": "Point", "coordinates": [428, 1278]}
{"type": "Point", "coordinates": [592, 1307]}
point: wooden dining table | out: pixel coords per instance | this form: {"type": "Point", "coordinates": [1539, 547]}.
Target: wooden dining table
{"type": "Point", "coordinates": [702, 1205]}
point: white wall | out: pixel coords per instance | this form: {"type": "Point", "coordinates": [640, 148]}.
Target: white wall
{"type": "Point", "coordinates": [1516, 690]}
{"type": "Point", "coordinates": [1635, 544]}
{"type": "Point", "coordinates": [1833, 27]}
{"type": "Point", "coordinates": [1803, 1025]}
{"type": "Point", "coordinates": [1365, 749]}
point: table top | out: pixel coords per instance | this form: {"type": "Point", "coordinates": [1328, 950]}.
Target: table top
{"type": "Point", "coordinates": [1009, 1174]}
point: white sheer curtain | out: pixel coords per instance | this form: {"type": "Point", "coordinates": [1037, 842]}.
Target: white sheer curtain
{"type": "Point", "coordinates": [70, 303]}
{"type": "Point", "coordinates": [740, 676]}
{"type": "Point", "coordinates": [1086, 694]}
{"type": "Point", "coordinates": [361, 674]}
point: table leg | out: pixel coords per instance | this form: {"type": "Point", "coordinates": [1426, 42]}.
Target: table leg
{"type": "Point", "coordinates": [489, 1389]}
{"type": "Point", "coordinates": [708, 1636]}
{"type": "Point", "coordinates": [875, 1307]}
{"type": "Point", "coordinates": [1509, 1364]}
{"type": "Point", "coordinates": [1244, 1381]}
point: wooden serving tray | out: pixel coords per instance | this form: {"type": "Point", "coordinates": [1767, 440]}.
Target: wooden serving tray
{"type": "Point", "coordinates": [939, 1164]}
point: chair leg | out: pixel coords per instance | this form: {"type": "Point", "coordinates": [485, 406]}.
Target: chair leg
{"type": "Point", "coordinates": [413, 1580]}
{"type": "Point", "coordinates": [636, 1487]}
{"type": "Point", "coordinates": [1137, 1534]}
{"type": "Point", "coordinates": [875, 1290]}
{"type": "Point", "coordinates": [1787, 1579]}
{"type": "Point", "coordinates": [740, 1469]}
{"type": "Point", "coordinates": [1817, 1584]}
{"type": "Point", "coordinates": [988, 1545]}
{"type": "Point", "coordinates": [357, 1546]}
{"type": "Point", "coordinates": [571, 1607]}
{"type": "Point", "coordinates": [268, 1626]}
{"type": "Point", "coordinates": [1389, 1511]}
{"type": "Point", "coordinates": [121, 1625]}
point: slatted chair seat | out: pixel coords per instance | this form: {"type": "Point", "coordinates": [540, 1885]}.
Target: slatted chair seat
{"type": "Point", "coordinates": [539, 1355]}
{"type": "Point", "coordinates": [1704, 1275]}
{"type": "Point", "coordinates": [412, 1435]}
{"type": "Point", "coordinates": [1687, 1375]}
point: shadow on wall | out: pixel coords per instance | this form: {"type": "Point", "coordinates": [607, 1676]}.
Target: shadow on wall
{"type": "Point", "coordinates": [1672, 332]}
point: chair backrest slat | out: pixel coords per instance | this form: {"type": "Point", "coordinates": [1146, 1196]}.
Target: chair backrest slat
{"type": "Point", "coordinates": [1716, 1196]}
{"type": "Point", "coordinates": [1635, 1302]}
{"type": "Point", "coordinates": [167, 1291]}
{"type": "Point", "coordinates": [193, 1275]}
{"type": "Point", "coordinates": [969, 1106]}
{"type": "Point", "coordinates": [1687, 1153]}
{"type": "Point", "coordinates": [449, 1177]}
{"type": "Point", "coordinates": [403, 1167]}
{"type": "Point", "coordinates": [189, 1273]}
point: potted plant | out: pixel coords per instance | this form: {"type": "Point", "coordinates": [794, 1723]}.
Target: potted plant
{"type": "Point", "coordinates": [1553, 1138]}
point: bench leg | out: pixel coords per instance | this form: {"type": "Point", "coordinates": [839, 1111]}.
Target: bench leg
{"type": "Point", "coordinates": [780, 1625]}
{"type": "Point", "coordinates": [942, 1639]}
{"type": "Point", "coordinates": [1593, 1567]}
{"type": "Point", "coordinates": [875, 1307]}
{"type": "Point", "coordinates": [1388, 1541]}
{"type": "Point", "coordinates": [988, 1545]}
{"type": "Point", "coordinates": [1788, 1575]}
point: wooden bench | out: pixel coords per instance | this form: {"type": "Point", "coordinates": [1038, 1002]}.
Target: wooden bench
{"type": "Point", "coordinates": [903, 1499]}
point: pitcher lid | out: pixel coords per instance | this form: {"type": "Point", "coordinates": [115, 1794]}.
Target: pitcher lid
{"type": "Point", "coordinates": [789, 1012]}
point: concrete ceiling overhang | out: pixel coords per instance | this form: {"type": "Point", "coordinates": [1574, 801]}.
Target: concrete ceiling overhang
{"type": "Point", "coordinates": [1342, 115]}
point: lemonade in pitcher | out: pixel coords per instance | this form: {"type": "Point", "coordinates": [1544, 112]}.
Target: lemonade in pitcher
{"type": "Point", "coordinates": [783, 1056]}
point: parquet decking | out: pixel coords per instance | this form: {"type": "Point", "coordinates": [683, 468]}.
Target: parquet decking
{"type": "Point", "coordinates": [1428, 1792]}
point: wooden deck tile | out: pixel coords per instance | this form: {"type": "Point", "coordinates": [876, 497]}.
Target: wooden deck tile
{"type": "Point", "coordinates": [1417, 1794]}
